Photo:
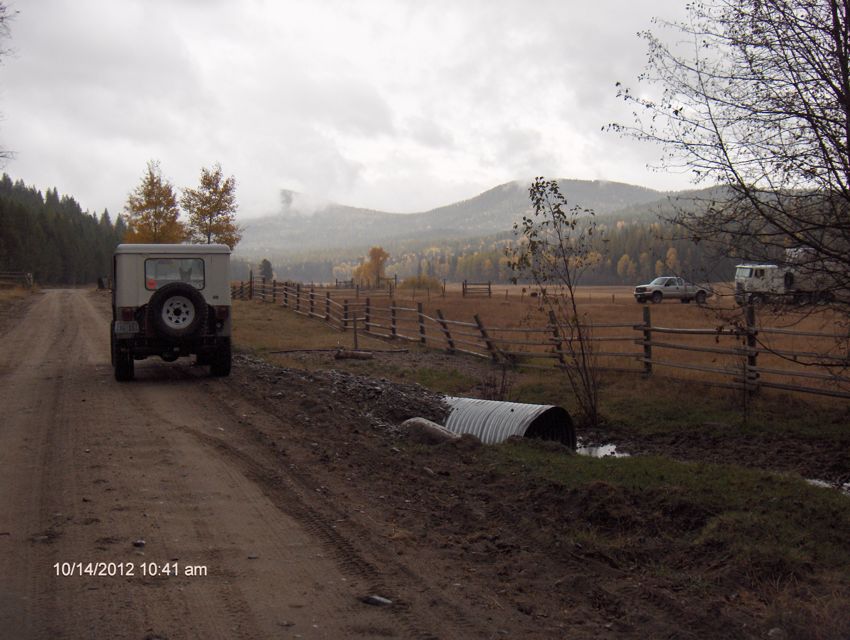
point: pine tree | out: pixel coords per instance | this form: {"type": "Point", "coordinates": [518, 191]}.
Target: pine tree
{"type": "Point", "coordinates": [266, 269]}
{"type": "Point", "coordinates": [152, 213]}
{"type": "Point", "coordinates": [212, 209]}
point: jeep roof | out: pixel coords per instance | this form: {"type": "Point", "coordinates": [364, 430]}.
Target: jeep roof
{"type": "Point", "coordinates": [171, 248]}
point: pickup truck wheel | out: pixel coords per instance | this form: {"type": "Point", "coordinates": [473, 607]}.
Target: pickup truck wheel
{"type": "Point", "coordinates": [656, 297]}
{"type": "Point", "coordinates": [124, 368]}
{"type": "Point", "coordinates": [177, 310]}
{"type": "Point", "coordinates": [700, 297]}
{"type": "Point", "coordinates": [221, 360]}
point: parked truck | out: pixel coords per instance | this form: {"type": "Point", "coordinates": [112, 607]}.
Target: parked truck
{"type": "Point", "coordinates": [671, 288]}
{"type": "Point", "coordinates": [791, 281]}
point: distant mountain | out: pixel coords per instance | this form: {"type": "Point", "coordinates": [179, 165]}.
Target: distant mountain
{"type": "Point", "coordinates": [305, 224]}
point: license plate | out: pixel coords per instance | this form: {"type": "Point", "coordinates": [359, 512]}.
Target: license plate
{"type": "Point", "coordinates": [126, 326]}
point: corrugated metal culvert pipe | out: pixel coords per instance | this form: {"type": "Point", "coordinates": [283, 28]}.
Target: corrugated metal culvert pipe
{"type": "Point", "coordinates": [493, 421]}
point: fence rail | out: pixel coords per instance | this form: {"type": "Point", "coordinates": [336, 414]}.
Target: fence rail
{"type": "Point", "coordinates": [471, 289]}
{"type": "Point", "coordinates": [743, 367]}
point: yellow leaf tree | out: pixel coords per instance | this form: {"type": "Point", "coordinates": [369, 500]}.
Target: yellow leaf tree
{"type": "Point", "coordinates": [370, 272]}
{"type": "Point", "coordinates": [212, 209]}
{"type": "Point", "coordinates": [151, 211]}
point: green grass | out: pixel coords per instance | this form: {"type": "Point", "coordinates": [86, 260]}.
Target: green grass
{"type": "Point", "coordinates": [766, 526]}
{"type": "Point", "coordinates": [449, 381]}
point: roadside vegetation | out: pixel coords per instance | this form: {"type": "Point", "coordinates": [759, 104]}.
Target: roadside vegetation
{"type": "Point", "coordinates": [10, 295]}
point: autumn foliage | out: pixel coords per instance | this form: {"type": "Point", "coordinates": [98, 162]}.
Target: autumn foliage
{"type": "Point", "coordinates": [151, 211]}
{"type": "Point", "coordinates": [370, 272]}
{"type": "Point", "coordinates": [212, 209]}
{"type": "Point", "coordinates": [153, 216]}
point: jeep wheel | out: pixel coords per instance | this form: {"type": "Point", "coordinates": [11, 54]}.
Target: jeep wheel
{"type": "Point", "coordinates": [656, 297]}
{"type": "Point", "coordinates": [124, 368]}
{"type": "Point", "coordinates": [221, 359]}
{"type": "Point", "coordinates": [178, 310]}
{"type": "Point", "coordinates": [700, 297]}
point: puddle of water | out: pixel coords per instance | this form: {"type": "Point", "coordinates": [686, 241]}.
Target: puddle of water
{"type": "Point", "coordinates": [602, 451]}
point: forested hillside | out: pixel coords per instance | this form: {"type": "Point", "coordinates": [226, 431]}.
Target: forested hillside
{"type": "Point", "coordinates": [627, 251]}
{"type": "Point", "coordinates": [52, 237]}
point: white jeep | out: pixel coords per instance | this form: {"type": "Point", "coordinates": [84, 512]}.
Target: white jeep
{"type": "Point", "coordinates": [170, 300]}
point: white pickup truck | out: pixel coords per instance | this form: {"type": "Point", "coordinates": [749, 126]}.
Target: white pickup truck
{"type": "Point", "coordinates": [673, 288]}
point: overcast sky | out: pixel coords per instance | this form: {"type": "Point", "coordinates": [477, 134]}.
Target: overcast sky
{"type": "Point", "coordinates": [395, 105]}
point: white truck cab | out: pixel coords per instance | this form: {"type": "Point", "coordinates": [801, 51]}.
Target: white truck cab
{"type": "Point", "coordinates": [171, 300]}
{"type": "Point", "coordinates": [756, 282]}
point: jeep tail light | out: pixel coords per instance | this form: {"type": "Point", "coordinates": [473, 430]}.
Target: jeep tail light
{"type": "Point", "coordinates": [127, 313]}
{"type": "Point", "coordinates": [222, 312]}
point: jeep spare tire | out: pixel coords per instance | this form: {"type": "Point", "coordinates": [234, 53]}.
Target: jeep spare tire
{"type": "Point", "coordinates": [177, 310]}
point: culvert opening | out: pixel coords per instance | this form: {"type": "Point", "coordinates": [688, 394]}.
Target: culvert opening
{"type": "Point", "coordinates": [553, 424]}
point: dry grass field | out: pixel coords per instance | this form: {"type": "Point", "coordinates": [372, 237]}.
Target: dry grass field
{"type": "Point", "coordinates": [801, 346]}
{"type": "Point", "coordinates": [9, 295]}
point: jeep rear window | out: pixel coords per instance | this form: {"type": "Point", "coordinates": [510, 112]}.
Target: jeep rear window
{"type": "Point", "coordinates": [162, 271]}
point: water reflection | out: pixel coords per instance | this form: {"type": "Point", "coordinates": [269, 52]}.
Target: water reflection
{"type": "Point", "coordinates": [601, 451]}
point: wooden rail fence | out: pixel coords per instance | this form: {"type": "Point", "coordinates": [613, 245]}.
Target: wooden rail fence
{"type": "Point", "coordinates": [472, 289]}
{"type": "Point", "coordinates": [748, 361]}
{"type": "Point", "coordinates": [16, 279]}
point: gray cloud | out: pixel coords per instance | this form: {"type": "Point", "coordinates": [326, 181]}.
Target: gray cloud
{"type": "Point", "coordinates": [396, 105]}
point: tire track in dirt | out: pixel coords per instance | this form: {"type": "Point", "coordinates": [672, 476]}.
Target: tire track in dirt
{"type": "Point", "coordinates": [33, 442]}
{"type": "Point", "coordinates": [293, 492]}
{"type": "Point", "coordinates": [87, 466]}
{"type": "Point", "coordinates": [287, 497]}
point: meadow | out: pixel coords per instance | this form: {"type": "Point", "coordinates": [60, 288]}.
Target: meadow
{"type": "Point", "coordinates": [787, 348]}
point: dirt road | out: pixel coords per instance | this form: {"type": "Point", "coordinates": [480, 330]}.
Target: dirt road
{"type": "Point", "coordinates": [176, 473]}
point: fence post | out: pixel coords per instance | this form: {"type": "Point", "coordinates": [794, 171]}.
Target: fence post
{"type": "Point", "coordinates": [286, 294]}
{"type": "Point", "coordinates": [367, 317]}
{"type": "Point", "coordinates": [327, 306]}
{"type": "Point", "coordinates": [421, 316]}
{"type": "Point", "coordinates": [463, 289]}
{"type": "Point", "coordinates": [393, 320]}
{"type": "Point", "coordinates": [263, 290]}
{"type": "Point", "coordinates": [312, 299]}
{"type": "Point", "coordinates": [344, 315]}
{"type": "Point", "coordinates": [489, 289]}
{"type": "Point", "coordinates": [486, 338]}
{"type": "Point", "coordinates": [251, 284]}
{"type": "Point", "coordinates": [752, 373]}
{"type": "Point", "coordinates": [297, 296]}
{"type": "Point", "coordinates": [559, 341]}
{"type": "Point", "coordinates": [451, 347]}
{"type": "Point", "coordinates": [647, 341]}
{"type": "Point", "coordinates": [274, 291]}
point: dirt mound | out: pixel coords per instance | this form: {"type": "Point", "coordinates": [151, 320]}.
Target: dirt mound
{"type": "Point", "coordinates": [382, 403]}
